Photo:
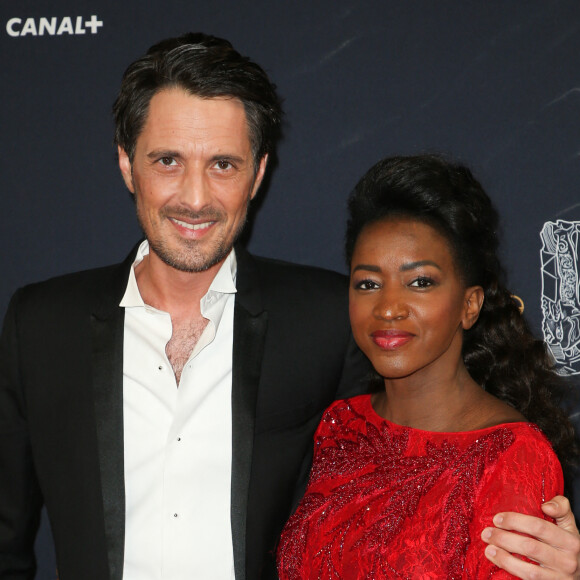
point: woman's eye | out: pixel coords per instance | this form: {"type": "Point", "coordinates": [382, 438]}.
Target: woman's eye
{"type": "Point", "coordinates": [366, 285]}
{"type": "Point", "coordinates": [422, 282]}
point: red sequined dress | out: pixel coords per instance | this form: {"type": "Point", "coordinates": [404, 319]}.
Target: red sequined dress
{"type": "Point", "coordinates": [385, 501]}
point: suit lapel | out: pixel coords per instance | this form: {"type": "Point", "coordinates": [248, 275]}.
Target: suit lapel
{"type": "Point", "coordinates": [107, 327]}
{"type": "Point", "coordinates": [250, 324]}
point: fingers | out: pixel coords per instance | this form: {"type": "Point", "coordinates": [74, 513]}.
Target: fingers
{"type": "Point", "coordinates": [547, 532]}
{"type": "Point", "coordinates": [559, 509]}
{"type": "Point", "coordinates": [556, 550]}
{"type": "Point", "coordinates": [506, 543]}
{"type": "Point", "coordinates": [519, 568]}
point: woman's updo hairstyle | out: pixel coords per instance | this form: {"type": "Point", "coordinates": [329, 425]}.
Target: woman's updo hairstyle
{"type": "Point", "coordinates": [430, 189]}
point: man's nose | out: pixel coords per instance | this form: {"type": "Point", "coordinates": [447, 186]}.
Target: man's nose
{"type": "Point", "coordinates": [195, 191]}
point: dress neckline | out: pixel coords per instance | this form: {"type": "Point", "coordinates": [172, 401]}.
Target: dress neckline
{"type": "Point", "coordinates": [370, 412]}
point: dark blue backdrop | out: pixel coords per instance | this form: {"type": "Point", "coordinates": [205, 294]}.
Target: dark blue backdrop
{"type": "Point", "coordinates": [493, 83]}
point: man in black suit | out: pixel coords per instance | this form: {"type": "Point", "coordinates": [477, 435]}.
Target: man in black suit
{"type": "Point", "coordinates": [163, 409]}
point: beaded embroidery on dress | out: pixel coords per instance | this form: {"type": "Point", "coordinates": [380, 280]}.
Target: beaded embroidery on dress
{"type": "Point", "coordinates": [385, 501]}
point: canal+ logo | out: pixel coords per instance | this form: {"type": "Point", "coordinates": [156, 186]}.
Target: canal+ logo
{"type": "Point", "coordinates": [52, 26]}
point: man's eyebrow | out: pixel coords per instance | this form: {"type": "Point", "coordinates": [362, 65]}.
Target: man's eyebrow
{"type": "Point", "coordinates": [159, 153]}
{"type": "Point", "coordinates": [227, 157]}
{"type": "Point", "coordinates": [418, 264]}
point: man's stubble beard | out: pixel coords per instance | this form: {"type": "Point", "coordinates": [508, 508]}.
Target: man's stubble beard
{"type": "Point", "coordinates": [188, 257]}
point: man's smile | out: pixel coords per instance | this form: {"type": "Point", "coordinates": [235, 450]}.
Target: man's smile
{"type": "Point", "coordinates": [203, 225]}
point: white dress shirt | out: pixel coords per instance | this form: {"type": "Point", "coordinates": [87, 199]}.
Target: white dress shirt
{"type": "Point", "coordinates": [178, 441]}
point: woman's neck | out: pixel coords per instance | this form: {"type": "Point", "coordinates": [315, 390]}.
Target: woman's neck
{"type": "Point", "coordinates": [449, 403]}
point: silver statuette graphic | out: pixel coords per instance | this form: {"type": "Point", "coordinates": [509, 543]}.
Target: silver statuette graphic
{"type": "Point", "coordinates": [560, 298]}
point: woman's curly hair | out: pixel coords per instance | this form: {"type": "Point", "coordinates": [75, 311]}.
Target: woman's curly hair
{"type": "Point", "coordinates": [499, 351]}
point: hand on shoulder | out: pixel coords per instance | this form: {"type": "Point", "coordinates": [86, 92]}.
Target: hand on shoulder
{"type": "Point", "coordinates": [555, 547]}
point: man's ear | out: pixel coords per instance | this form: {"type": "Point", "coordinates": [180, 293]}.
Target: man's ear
{"type": "Point", "coordinates": [125, 167]}
{"type": "Point", "coordinates": [259, 175]}
{"type": "Point", "coordinates": [473, 303]}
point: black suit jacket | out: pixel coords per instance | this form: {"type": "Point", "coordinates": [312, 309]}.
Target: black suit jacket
{"type": "Point", "coordinates": [61, 414]}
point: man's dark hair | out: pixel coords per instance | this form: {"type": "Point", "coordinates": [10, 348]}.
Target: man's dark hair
{"type": "Point", "coordinates": [204, 66]}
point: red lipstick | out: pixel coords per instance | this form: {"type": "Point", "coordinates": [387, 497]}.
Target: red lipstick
{"type": "Point", "coordinates": [391, 339]}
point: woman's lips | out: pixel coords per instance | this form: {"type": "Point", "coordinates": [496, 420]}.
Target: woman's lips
{"type": "Point", "coordinates": [391, 339]}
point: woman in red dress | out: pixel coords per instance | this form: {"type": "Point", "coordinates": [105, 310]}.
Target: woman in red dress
{"type": "Point", "coordinates": [464, 422]}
